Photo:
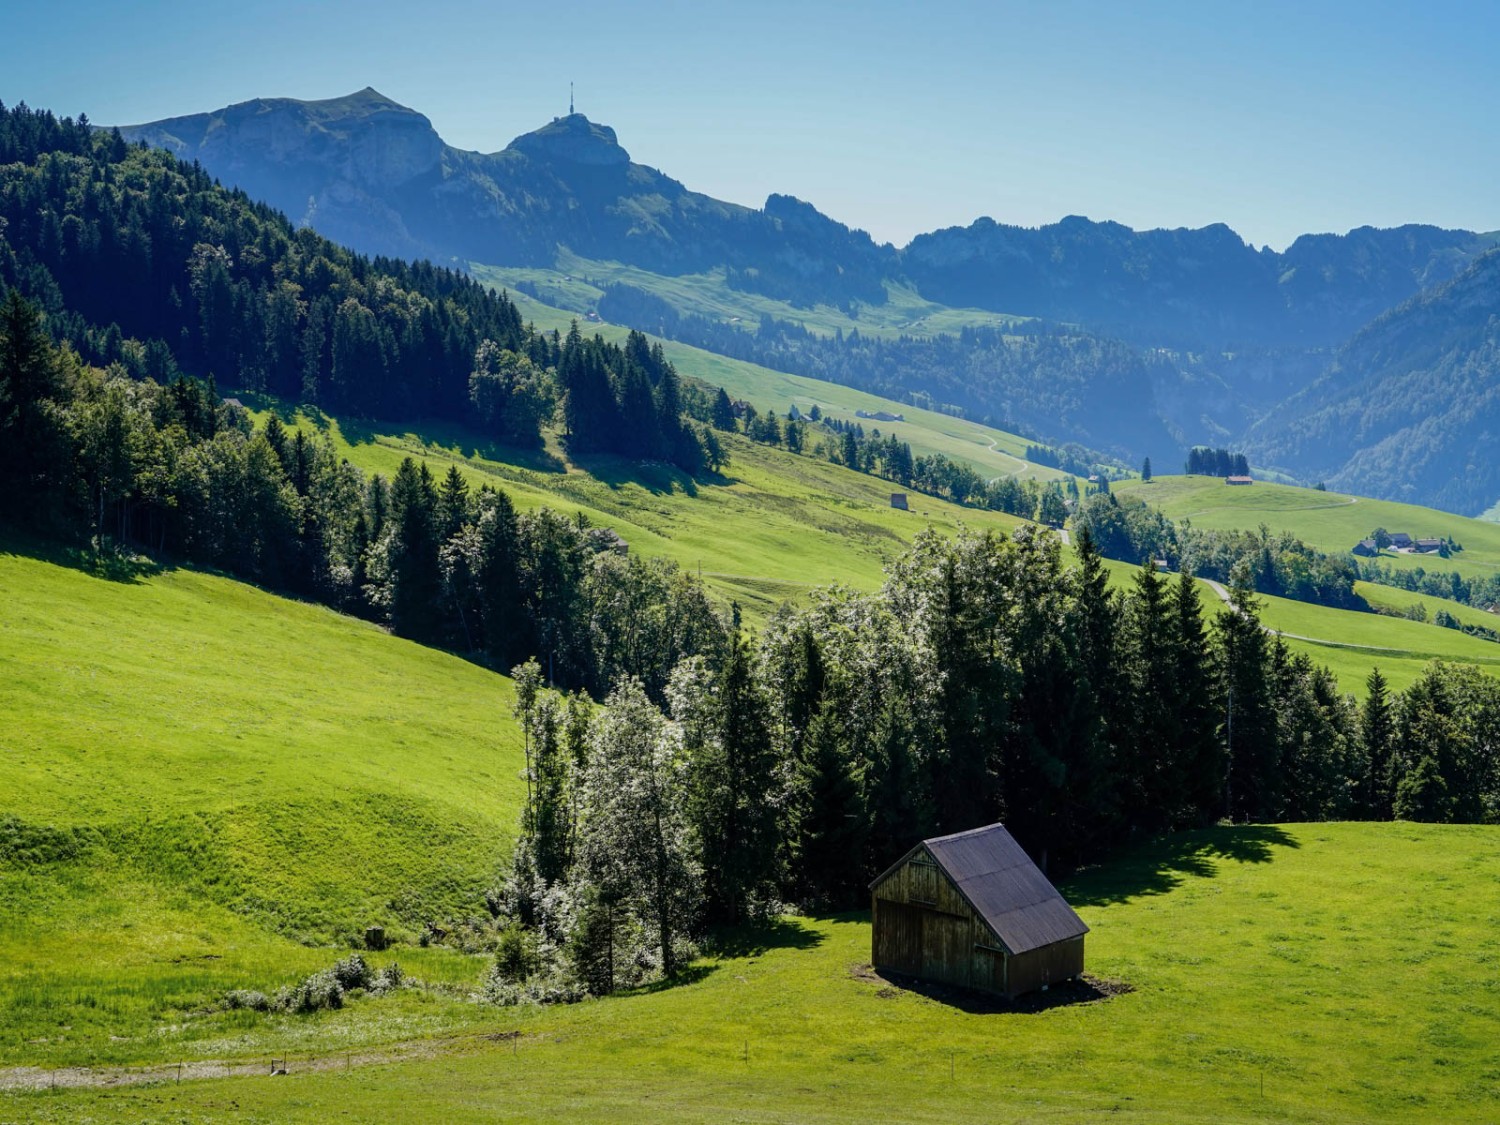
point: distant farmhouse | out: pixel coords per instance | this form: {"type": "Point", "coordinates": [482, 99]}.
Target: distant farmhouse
{"type": "Point", "coordinates": [1239, 480]}
{"type": "Point", "coordinates": [898, 500]}
{"type": "Point", "coordinates": [1399, 541]}
{"type": "Point", "coordinates": [880, 415]}
{"type": "Point", "coordinates": [972, 910]}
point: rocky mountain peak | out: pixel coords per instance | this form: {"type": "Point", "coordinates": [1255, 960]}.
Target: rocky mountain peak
{"type": "Point", "coordinates": [574, 139]}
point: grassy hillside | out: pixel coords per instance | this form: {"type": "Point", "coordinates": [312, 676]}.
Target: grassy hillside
{"type": "Point", "coordinates": [1331, 521]}
{"type": "Point", "coordinates": [206, 787]}
{"type": "Point", "coordinates": [577, 284]}
{"type": "Point", "coordinates": [1279, 974]}
{"type": "Point", "coordinates": [778, 525]}
{"type": "Point", "coordinates": [990, 451]}
{"type": "Point", "coordinates": [774, 526]}
{"type": "Point", "coordinates": [1352, 643]}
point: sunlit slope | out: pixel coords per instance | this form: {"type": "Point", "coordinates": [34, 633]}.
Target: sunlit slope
{"type": "Point", "coordinates": [1331, 521]}
{"type": "Point", "coordinates": [990, 451]}
{"type": "Point", "coordinates": [576, 284]}
{"type": "Point", "coordinates": [1280, 973]}
{"type": "Point", "coordinates": [772, 527]}
{"type": "Point", "coordinates": [198, 781]}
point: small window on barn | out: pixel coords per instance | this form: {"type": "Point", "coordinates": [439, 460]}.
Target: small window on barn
{"type": "Point", "coordinates": [924, 880]}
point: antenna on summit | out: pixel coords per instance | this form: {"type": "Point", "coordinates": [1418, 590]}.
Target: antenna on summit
{"type": "Point", "coordinates": [570, 99]}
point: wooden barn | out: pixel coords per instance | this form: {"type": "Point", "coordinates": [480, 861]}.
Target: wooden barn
{"type": "Point", "coordinates": [972, 910]}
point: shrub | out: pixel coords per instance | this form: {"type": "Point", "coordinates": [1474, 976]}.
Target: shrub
{"type": "Point", "coordinates": [245, 998]}
{"type": "Point", "coordinates": [352, 973]}
{"type": "Point", "coordinates": [319, 991]}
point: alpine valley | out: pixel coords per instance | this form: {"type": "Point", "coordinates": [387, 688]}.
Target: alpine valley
{"type": "Point", "coordinates": [1365, 360]}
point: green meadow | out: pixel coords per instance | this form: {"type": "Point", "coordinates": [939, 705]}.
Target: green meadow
{"type": "Point", "coordinates": [990, 451]}
{"type": "Point", "coordinates": [205, 787]}
{"type": "Point", "coordinates": [1329, 521]}
{"type": "Point", "coordinates": [1276, 973]}
{"type": "Point", "coordinates": [772, 527]}
{"type": "Point", "coordinates": [576, 284]}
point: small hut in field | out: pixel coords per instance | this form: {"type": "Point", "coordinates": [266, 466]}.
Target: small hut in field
{"type": "Point", "coordinates": [972, 910]}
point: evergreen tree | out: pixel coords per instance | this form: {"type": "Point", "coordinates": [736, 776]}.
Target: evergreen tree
{"type": "Point", "coordinates": [723, 412]}
{"type": "Point", "coordinates": [453, 508]}
{"type": "Point", "coordinates": [734, 791]}
{"type": "Point", "coordinates": [1249, 728]}
{"type": "Point", "coordinates": [829, 818]}
{"type": "Point", "coordinates": [414, 572]}
{"type": "Point", "coordinates": [1198, 753]}
{"type": "Point", "coordinates": [1377, 738]}
{"type": "Point", "coordinates": [506, 636]}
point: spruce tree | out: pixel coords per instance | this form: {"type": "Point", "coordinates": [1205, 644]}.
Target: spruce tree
{"type": "Point", "coordinates": [1248, 728]}
{"type": "Point", "coordinates": [1199, 755]}
{"type": "Point", "coordinates": [723, 412]}
{"type": "Point", "coordinates": [735, 799]}
{"type": "Point", "coordinates": [1377, 738]}
{"type": "Point", "coordinates": [829, 817]}
{"type": "Point", "coordinates": [415, 575]}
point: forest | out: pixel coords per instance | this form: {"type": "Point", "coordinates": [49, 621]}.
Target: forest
{"type": "Point", "coordinates": [229, 290]}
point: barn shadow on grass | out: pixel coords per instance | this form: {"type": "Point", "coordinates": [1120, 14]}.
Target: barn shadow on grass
{"type": "Point", "coordinates": [1086, 990]}
{"type": "Point", "coordinates": [1162, 865]}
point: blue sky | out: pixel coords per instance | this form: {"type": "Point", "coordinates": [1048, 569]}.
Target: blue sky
{"type": "Point", "coordinates": [1274, 118]}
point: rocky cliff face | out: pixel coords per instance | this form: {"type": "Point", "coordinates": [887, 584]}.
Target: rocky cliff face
{"type": "Point", "coordinates": [375, 175]}
{"type": "Point", "coordinates": [334, 164]}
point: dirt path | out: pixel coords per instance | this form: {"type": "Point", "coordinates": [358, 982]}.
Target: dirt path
{"type": "Point", "coordinates": [104, 1077]}
{"type": "Point", "coordinates": [1219, 589]}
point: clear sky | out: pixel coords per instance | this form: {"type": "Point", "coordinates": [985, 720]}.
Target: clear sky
{"type": "Point", "coordinates": [1276, 118]}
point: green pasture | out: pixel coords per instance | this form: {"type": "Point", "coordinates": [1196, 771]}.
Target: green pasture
{"type": "Point", "coordinates": [1309, 973]}
{"type": "Point", "coordinates": [991, 452]}
{"type": "Point", "coordinates": [772, 527]}
{"type": "Point", "coordinates": [576, 284]}
{"type": "Point", "coordinates": [204, 787]}
{"type": "Point", "coordinates": [1330, 521]}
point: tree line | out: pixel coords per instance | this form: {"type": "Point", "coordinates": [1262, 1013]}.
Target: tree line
{"type": "Point", "coordinates": [99, 457]}
{"type": "Point", "coordinates": [1206, 462]}
{"type": "Point", "coordinates": [1129, 529]}
{"type": "Point", "coordinates": [988, 679]}
{"type": "Point", "coordinates": [1030, 378]}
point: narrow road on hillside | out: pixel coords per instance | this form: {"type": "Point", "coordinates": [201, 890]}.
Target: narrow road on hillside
{"type": "Point", "coordinates": [1219, 589]}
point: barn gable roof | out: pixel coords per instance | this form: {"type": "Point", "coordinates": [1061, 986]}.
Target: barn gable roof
{"type": "Point", "coordinates": [1003, 886]}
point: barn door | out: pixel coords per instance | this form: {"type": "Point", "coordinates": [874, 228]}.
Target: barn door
{"type": "Point", "coordinates": [947, 942]}
{"type": "Point", "coordinates": [898, 937]}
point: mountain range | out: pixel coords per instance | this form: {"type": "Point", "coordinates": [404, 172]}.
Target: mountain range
{"type": "Point", "coordinates": [1360, 358]}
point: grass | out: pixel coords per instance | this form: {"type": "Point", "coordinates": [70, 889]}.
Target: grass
{"type": "Point", "coordinates": [1330, 521]}
{"type": "Point", "coordinates": [1280, 974]}
{"type": "Point", "coordinates": [772, 528]}
{"type": "Point", "coordinates": [206, 787]}
{"type": "Point", "coordinates": [576, 284]}
{"type": "Point", "coordinates": [991, 452]}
